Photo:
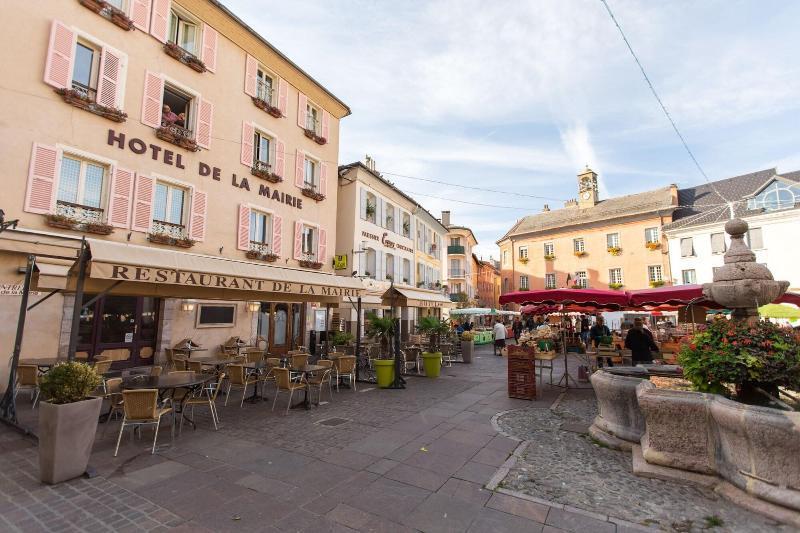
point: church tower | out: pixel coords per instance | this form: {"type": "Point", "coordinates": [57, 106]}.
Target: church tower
{"type": "Point", "coordinates": [587, 188]}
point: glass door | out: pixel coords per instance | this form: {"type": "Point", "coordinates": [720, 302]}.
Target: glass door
{"type": "Point", "coordinates": [281, 324]}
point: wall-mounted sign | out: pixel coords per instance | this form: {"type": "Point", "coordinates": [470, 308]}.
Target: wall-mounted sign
{"type": "Point", "coordinates": [14, 289]}
{"type": "Point", "coordinates": [339, 262]}
{"type": "Point", "coordinates": [384, 240]}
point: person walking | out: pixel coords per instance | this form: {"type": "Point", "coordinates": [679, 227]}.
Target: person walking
{"type": "Point", "coordinates": [640, 342]}
{"type": "Point", "coordinates": [499, 337]}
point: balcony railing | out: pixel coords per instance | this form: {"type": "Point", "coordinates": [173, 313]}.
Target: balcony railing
{"type": "Point", "coordinates": [176, 231]}
{"type": "Point", "coordinates": [79, 213]}
{"type": "Point", "coordinates": [264, 92]}
{"type": "Point", "coordinates": [455, 249]}
{"type": "Point", "coordinates": [458, 273]}
{"type": "Point", "coordinates": [84, 91]}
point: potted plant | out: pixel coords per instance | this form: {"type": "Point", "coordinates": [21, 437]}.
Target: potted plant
{"type": "Point", "coordinates": [370, 210]}
{"type": "Point", "coordinates": [406, 228]}
{"type": "Point", "coordinates": [549, 257]}
{"type": "Point", "coordinates": [614, 250]}
{"type": "Point", "coordinates": [382, 328]}
{"type": "Point", "coordinates": [575, 286]}
{"type": "Point", "coordinates": [653, 245]}
{"type": "Point", "coordinates": [467, 346]}
{"type": "Point", "coordinates": [434, 329]}
{"type": "Point", "coordinates": [579, 253]}
{"type": "Point", "coordinates": [523, 260]}
{"type": "Point", "coordinates": [342, 338]}
{"type": "Point", "coordinates": [657, 283]}
{"type": "Point", "coordinates": [405, 280]}
{"type": "Point", "coordinates": [615, 286]}
{"type": "Point", "coordinates": [67, 421]}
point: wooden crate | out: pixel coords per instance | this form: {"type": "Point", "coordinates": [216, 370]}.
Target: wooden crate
{"type": "Point", "coordinates": [521, 373]}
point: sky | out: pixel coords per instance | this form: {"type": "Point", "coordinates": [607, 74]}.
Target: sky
{"type": "Point", "coordinates": [519, 96]}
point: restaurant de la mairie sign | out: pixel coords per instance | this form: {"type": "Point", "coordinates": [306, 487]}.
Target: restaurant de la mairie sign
{"type": "Point", "coordinates": [175, 159]}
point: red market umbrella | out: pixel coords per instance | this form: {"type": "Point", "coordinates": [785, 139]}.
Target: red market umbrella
{"type": "Point", "coordinates": [538, 309]}
{"type": "Point", "coordinates": [684, 295]}
{"type": "Point", "coordinates": [593, 298]}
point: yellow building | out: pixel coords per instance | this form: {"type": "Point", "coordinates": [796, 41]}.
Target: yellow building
{"type": "Point", "coordinates": [461, 266]}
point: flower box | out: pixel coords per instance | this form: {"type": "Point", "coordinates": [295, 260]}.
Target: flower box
{"type": "Point", "coordinates": [187, 58]}
{"type": "Point", "coordinates": [310, 263]}
{"type": "Point", "coordinates": [655, 284]}
{"type": "Point", "coordinates": [269, 257]}
{"type": "Point", "coordinates": [312, 193]}
{"type": "Point", "coordinates": [523, 260]}
{"type": "Point", "coordinates": [576, 286]}
{"type": "Point", "coordinates": [653, 245]}
{"type": "Point", "coordinates": [580, 254]}
{"type": "Point", "coordinates": [311, 134]}
{"type": "Point", "coordinates": [615, 286]}
{"type": "Point", "coordinates": [168, 134]}
{"type": "Point", "coordinates": [64, 222]}
{"type": "Point", "coordinates": [106, 10]}
{"type": "Point", "coordinates": [76, 99]}
{"type": "Point", "coordinates": [265, 174]}
{"type": "Point", "coordinates": [267, 107]}
{"type": "Point", "coordinates": [614, 250]}
{"type": "Point", "coordinates": [95, 5]}
{"type": "Point", "coordinates": [161, 238]}
{"type": "Point", "coordinates": [549, 257]}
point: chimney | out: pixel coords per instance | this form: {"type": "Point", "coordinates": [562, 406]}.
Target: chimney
{"type": "Point", "coordinates": [369, 162]}
{"type": "Point", "coordinates": [546, 208]}
{"type": "Point", "coordinates": [446, 218]}
{"type": "Point", "coordinates": [571, 203]}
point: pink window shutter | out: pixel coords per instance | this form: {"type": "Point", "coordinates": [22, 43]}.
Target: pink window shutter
{"type": "Point", "coordinates": [198, 215]}
{"type": "Point", "coordinates": [250, 75]}
{"type": "Point", "coordinates": [283, 97]}
{"type": "Point", "coordinates": [299, 163]}
{"type": "Point", "coordinates": [140, 14]}
{"type": "Point", "coordinates": [280, 158]}
{"type": "Point", "coordinates": [60, 56]}
{"type": "Point", "coordinates": [298, 240]}
{"type": "Point", "coordinates": [119, 205]}
{"type": "Point", "coordinates": [323, 179]}
{"type": "Point", "coordinates": [322, 251]}
{"type": "Point", "coordinates": [159, 20]}
{"type": "Point", "coordinates": [143, 204]}
{"type": "Point", "coordinates": [40, 194]}
{"type": "Point", "coordinates": [205, 120]}
{"type": "Point", "coordinates": [248, 132]}
{"type": "Point", "coordinates": [302, 102]}
{"type": "Point", "coordinates": [110, 79]}
{"type": "Point", "coordinates": [325, 129]}
{"type": "Point", "coordinates": [243, 228]}
{"type": "Point", "coordinates": [209, 52]}
{"type": "Point", "coordinates": [151, 99]}
{"type": "Point", "coordinates": [277, 235]}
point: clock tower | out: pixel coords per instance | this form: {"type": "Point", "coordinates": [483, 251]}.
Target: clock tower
{"type": "Point", "coordinates": [587, 188]}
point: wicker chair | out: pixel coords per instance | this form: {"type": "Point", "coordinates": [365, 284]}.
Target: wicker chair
{"type": "Point", "coordinates": [410, 359]}
{"type": "Point", "coordinates": [140, 408]}
{"type": "Point", "coordinates": [254, 355]}
{"type": "Point", "coordinates": [207, 397]}
{"type": "Point", "coordinates": [298, 360]}
{"type": "Point", "coordinates": [101, 366]}
{"type": "Point", "coordinates": [239, 377]}
{"type": "Point", "coordinates": [114, 397]}
{"type": "Point", "coordinates": [284, 384]}
{"type": "Point", "coordinates": [345, 367]}
{"type": "Point", "coordinates": [28, 379]}
{"type": "Point", "coordinates": [319, 380]}
{"type": "Point", "coordinates": [169, 355]}
{"type": "Point", "coordinates": [156, 371]}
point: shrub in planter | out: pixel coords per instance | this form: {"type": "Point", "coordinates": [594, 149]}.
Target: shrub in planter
{"type": "Point", "coordinates": [382, 328]}
{"type": "Point", "coordinates": [656, 284]}
{"type": "Point", "coordinates": [341, 338]}
{"type": "Point", "coordinates": [467, 346]}
{"type": "Point", "coordinates": [67, 421]}
{"type": "Point", "coordinates": [434, 329]}
{"type": "Point", "coordinates": [746, 357]}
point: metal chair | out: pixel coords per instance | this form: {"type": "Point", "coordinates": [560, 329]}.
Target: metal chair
{"type": "Point", "coordinates": [321, 379]}
{"type": "Point", "coordinates": [345, 367]}
{"type": "Point", "coordinates": [207, 397]}
{"type": "Point", "coordinates": [140, 408]}
{"type": "Point", "coordinates": [238, 377]}
{"type": "Point", "coordinates": [284, 384]}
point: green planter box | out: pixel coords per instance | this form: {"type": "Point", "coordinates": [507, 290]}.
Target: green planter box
{"type": "Point", "coordinates": [384, 370]}
{"type": "Point", "coordinates": [432, 363]}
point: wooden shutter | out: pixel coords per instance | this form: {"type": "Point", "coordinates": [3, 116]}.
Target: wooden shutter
{"type": "Point", "coordinates": [40, 194]}
{"type": "Point", "coordinates": [363, 204]}
{"type": "Point", "coordinates": [151, 99]}
{"type": "Point", "coordinates": [198, 215]}
{"type": "Point", "coordinates": [718, 243]}
{"type": "Point", "coordinates": [280, 158]}
{"type": "Point", "coordinates": [243, 228]}
{"type": "Point", "coordinates": [283, 97]}
{"type": "Point", "coordinates": [60, 56]}
{"type": "Point", "coordinates": [277, 235]}
{"type": "Point", "coordinates": [159, 19]}
{"type": "Point", "coordinates": [326, 125]}
{"type": "Point", "coordinates": [140, 14]}
{"type": "Point", "coordinates": [298, 240]}
{"type": "Point", "coordinates": [248, 132]}
{"type": "Point", "coordinates": [322, 247]}
{"type": "Point", "coordinates": [323, 178]}
{"type": "Point", "coordinates": [205, 120]}
{"type": "Point", "coordinates": [209, 52]}
{"type": "Point", "coordinates": [302, 102]}
{"type": "Point", "coordinates": [755, 239]}
{"type": "Point", "coordinates": [121, 198]}
{"type": "Point", "coordinates": [299, 161]}
{"type": "Point", "coordinates": [687, 247]}
{"type": "Point", "coordinates": [250, 75]}
{"type": "Point", "coordinates": [110, 79]}
{"type": "Point", "coordinates": [143, 203]}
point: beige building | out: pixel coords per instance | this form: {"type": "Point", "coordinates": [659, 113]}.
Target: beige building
{"type": "Point", "coordinates": [197, 159]}
{"type": "Point", "coordinates": [461, 266]}
{"type": "Point", "coordinates": [591, 242]}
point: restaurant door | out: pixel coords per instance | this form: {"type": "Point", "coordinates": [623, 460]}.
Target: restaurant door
{"type": "Point", "coordinates": [282, 325]}
{"type": "Point", "coordinates": [121, 327]}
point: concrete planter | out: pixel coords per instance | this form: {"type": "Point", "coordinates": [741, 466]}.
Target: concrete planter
{"type": "Point", "coordinates": [679, 432]}
{"type": "Point", "coordinates": [620, 423]}
{"type": "Point", "coordinates": [758, 450]}
{"type": "Point", "coordinates": [467, 349]}
{"type": "Point", "coordinates": [66, 436]}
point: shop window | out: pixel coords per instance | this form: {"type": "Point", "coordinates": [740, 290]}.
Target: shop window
{"type": "Point", "coordinates": [654, 274]}
{"type": "Point", "coordinates": [80, 189]}
{"type": "Point", "coordinates": [651, 235]}
{"type": "Point", "coordinates": [169, 209]}
{"type": "Point", "coordinates": [689, 277]}
{"type": "Point", "coordinates": [260, 227]}
{"type": "Point", "coordinates": [216, 315]}
{"type": "Point", "coordinates": [549, 281]}
{"type": "Point", "coordinates": [184, 32]}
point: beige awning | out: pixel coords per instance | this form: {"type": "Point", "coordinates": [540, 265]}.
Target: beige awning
{"type": "Point", "coordinates": [415, 298]}
{"type": "Point", "coordinates": [52, 273]}
{"type": "Point", "coordinates": [149, 271]}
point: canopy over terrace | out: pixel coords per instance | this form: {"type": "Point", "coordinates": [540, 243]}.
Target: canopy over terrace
{"type": "Point", "coordinates": [482, 311]}
{"type": "Point", "coordinates": [591, 298]}
{"type": "Point", "coordinates": [402, 297]}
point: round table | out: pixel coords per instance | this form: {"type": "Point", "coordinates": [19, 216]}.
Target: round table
{"type": "Point", "coordinates": [43, 363]}
{"type": "Point", "coordinates": [167, 382]}
{"type": "Point", "coordinates": [307, 369]}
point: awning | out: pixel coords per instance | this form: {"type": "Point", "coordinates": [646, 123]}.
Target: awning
{"type": "Point", "coordinates": [52, 273]}
{"type": "Point", "coordinates": [415, 298]}
{"type": "Point", "coordinates": [149, 271]}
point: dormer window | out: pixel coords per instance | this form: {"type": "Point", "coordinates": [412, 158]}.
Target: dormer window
{"type": "Point", "coordinates": [777, 195]}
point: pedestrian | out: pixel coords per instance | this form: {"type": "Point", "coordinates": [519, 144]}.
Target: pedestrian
{"type": "Point", "coordinates": [640, 342]}
{"type": "Point", "coordinates": [517, 329]}
{"type": "Point", "coordinates": [585, 327]}
{"type": "Point", "coordinates": [499, 337]}
{"type": "Point", "coordinates": [529, 325]}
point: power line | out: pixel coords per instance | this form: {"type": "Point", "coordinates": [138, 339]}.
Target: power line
{"type": "Point", "coordinates": [514, 193]}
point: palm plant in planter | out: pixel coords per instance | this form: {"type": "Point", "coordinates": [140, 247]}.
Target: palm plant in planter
{"type": "Point", "coordinates": [434, 329]}
{"type": "Point", "coordinates": [67, 421]}
{"type": "Point", "coordinates": [382, 329]}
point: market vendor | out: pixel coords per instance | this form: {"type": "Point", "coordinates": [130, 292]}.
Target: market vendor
{"type": "Point", "coordinates": [499, 337]}
{"type": "Point", "coordinates": [640, 342]}
{"type": "Point", "coordinates": [598, 331]}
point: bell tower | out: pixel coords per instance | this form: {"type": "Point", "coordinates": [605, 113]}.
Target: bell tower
{"type": "Point", "coordinates": [587, 188]}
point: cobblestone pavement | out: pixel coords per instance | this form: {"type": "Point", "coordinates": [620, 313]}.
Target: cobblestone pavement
{"type": "Point", "coordinates": [562, 464]}
{"type": "Point", "coordinates": [373, 460]}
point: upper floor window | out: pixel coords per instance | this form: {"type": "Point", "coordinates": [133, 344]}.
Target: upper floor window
{"type": "Point", "coordinates": [310, 173]}
{"type": "Point", "coordinates": [406, 271]}
{"type": "Point", "coordinates": [523, 283]}
{"type": "Point", "coordinates": [612, 240]}
{"type": "Point", "coordinates": [505, 257]}
{"type": "Point", "coordinates": [549, 249]}
{"type": "Point", "coordinates": [455, 241]}
{"type": "Point", "coordinates": [259, 227]}
{"type": "Point", "coordinates": [654, 274]}
{"type": "Point", "coordinates": [689, 277]}
{"type": "Point", "coordinates": [389, 267]}
{"type": "Point", "coordinates": [777, 195]}
{"type": "Point", "coordinates": [371, 266]}
{"type": "Point", "coordinates": [370, 207]}
{"type": "Point", "coordinates": [550, 281]}
{"type": "Point", "coordinates": [523, 252]}
{"type": "Point", "coordinates": [85, 71]}
{"type": "Point", "coordinates": [312, 117]}
{"type": "Point", "coordinates": [389, 217]}
{"type": "Point", "coordinates": [184, 32]}
{"type": "Point", "coordinates": [265, 84]}
{"type": "Point", "coordinates": [718, 243]}
{"type": "Point", "coordinates": [687, 247]}
{"type": "Point", "coordinates": [262, 150]}
{"type": "Point", "coordinates": [578, 246]}
{"type": "Point", "coordinates": [755, 239]}
{"type": "Point", "coordinates": [406, 225]}
{"type": "Point", "coordinates": [309, 236]}
{"type": "Point", "coordinates": [81, 184]}
{"type": "Point", "coordinates": [651, 235]}
{"type": "Point", "coordinates": [177, 109]}
{"type": "Point", "coordinates": [615, 276]}
{"type": "Point", "coordinates": [581, 279]}
{"type": "Point", "coordinates": [168, 203]}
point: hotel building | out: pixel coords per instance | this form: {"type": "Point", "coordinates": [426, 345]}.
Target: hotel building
{"type": "Point", "coordinates": [462, 267]}
{"type": "Point", "coordinates": [196, 160]}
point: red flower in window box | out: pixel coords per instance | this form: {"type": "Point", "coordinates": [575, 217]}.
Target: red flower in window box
{"type": "Point", "coordinates": [185, 57]}
{"type": "Point", "coordinates": [267, 107]}
{"type": "Point", "coordinates": [312, 193]}
{"type": "Point", "coordinates": [269, 257]}
{"type": "Point", "coordinates": [161, 238]}
{"type": "Point", "coordinates": [85, 102]}
{"type": "Point", "coordinates": [310, 263]}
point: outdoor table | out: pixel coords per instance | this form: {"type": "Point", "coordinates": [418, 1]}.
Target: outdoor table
{"type": "Point", "coordinates": [169, 382]}
{"type": "Point", "coordinates": [217, 362]}
{"type": "Point", "coordinates": [189, 351]}
{"type": "Point", "coordinates": [308, 369]}
{"type": "Point", "coordinates": [42, 363]}
{"type": "Point", "coordinates": [257, 367]}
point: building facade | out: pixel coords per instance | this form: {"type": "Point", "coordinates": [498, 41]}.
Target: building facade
{"type": "Point", "coordinates": [768, 201]}
{"type": "Point", "coordinates": [461, 266]}
{"type": "Point", "coordinates": [487, 283]}
{"type": "Point", "coordinates": [185, 146]}
{"type": "Point", "coordinates": [591, 242]}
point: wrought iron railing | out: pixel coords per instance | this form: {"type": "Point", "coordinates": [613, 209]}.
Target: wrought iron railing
{"type": "Point", "coordinates": [260, 247]}
{"type": "Point", "coordinates": [84, 91]}
{"type": "Point", "coordinates": [178, 131]}
{"type": "Point", "coordinates": [457, 273]}
{"type": "Point", "coordinates": [177, 231]}
{"type": "Point", "coordinates": [79, 213]}
{"type": "Point", "coordinates": [312, 123]}
{"type": "Point", "coordinates": [264, 91]}
{"type": "Point", "coordinates": [261, 166]}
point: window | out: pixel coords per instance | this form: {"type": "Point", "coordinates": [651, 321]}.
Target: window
{"type": "Point", "coordinates": [612, 240]}
{"type": "Point", "coordinates": [651, 235]}
{"type": "Point", "coordinates": [262, 150]}
{"type": "Point", "coordinates": [119, 4]}
{"type": "Point", "coordinates": [654, 274]}
{"type": "Point", "coordinates": [523, 283]}
{"type": "Point", "coordinates": [406, 271]}
{"type": "Point", "coordinates": [506, 283]}
{"type": "Point", "coordinates": [505, 257]}
{"type": "Point", "coordinates": [177, 110]}
{"type": "Point", "coordinates": [549, 281]}
{"type": "Point", "coordinates": [371, 267]}
{"type": "Point", "coordinates": [689, 277]}
{"type": "Point", "coordinates": [168, 204]}
{"type": "Point", "coordinates": [309, 241]}
{"type": "Point", "coordinates": [755, 239]}
{"type": "Point", "coordinates": [615, 276]}
{"type": "Point", "coordinates": [86, 68]}
{"type": "Point", "coordinates": [523, 252]}
{"type": "Point", "coordinates": [81, 182]}
{"type": "Point", "coordinates": [371, 208]}
{"type": "Point", "coordinates": [310, 173]}
{"type": "Point", "coordinates": [578, 245]}
{"type": "Point", "coordinates": [581, 279]}
{"type": "Point", "coordinates": [777, 195]}
{"type": "Point", "coordinates": [714, 271]}
{"type": "Point", "coordinates": [406, 225]}
{"type": "Point", "coordinates": [259, 227]}
{"type": "Point", "coordinates": [216, 315]}
{"type": "Point", "coordinates": [389, 267]}
{"type": "Point", "coordinates": [389, 217]}
{"type": "Point", "coordinates": [265, 84]}
{"type": "Point", "coordinates": [183, 32]}
{"type": "Point", "coordinates": [718, 243]}
{"type": "Point", "coordinates": [312, 117]}
{"type": "Point", "coordinates": [455, 241]}
{"type": "Point", "coordinates": [549, 249]}
{"type": "Point", "coordinates": [687, 247]}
